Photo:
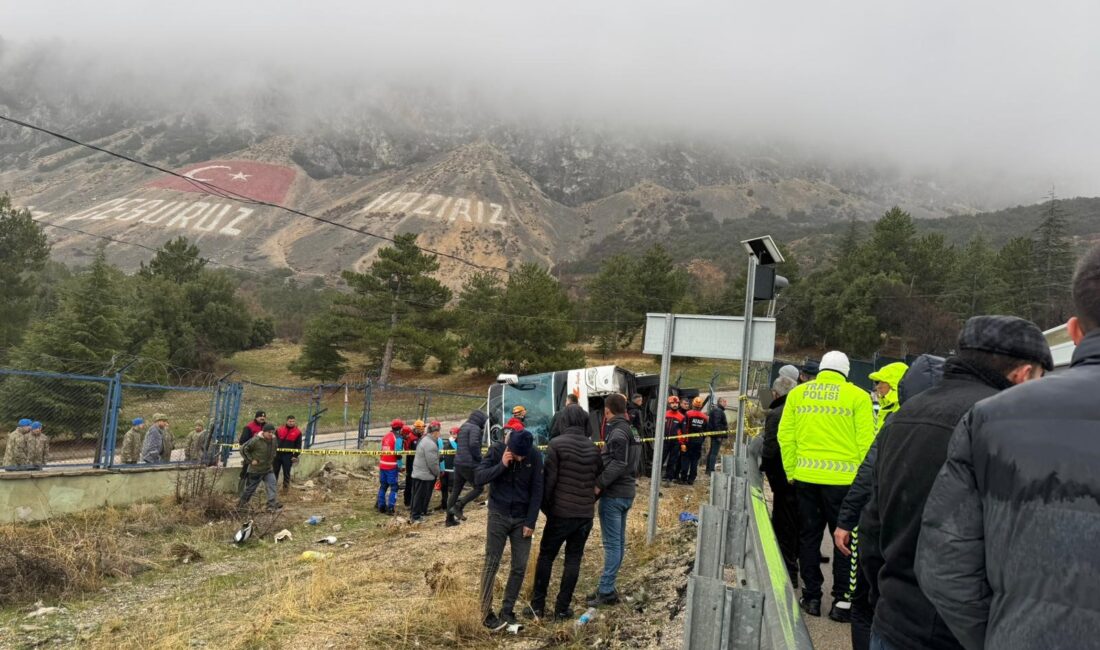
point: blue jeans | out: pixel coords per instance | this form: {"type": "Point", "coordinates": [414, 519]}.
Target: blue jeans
{"type": "Point", "coordinates": [613, 530]}
{"type": "Point", "coordinates": [712, 455]}
{"type": "Point", "coordinates": [879, 643]}
{"type": "Point", "coordinates": [387, 479]}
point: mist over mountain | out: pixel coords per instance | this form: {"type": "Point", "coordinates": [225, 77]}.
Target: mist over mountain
{"type": "Point", "coordinates": [504, 134]}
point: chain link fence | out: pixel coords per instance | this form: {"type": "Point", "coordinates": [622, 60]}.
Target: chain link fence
{"type": "Point", "coordinates": [89, 420]}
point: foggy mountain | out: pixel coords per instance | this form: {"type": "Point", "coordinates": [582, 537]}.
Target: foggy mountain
{"type": "Point", "coordinates": [488, 172]}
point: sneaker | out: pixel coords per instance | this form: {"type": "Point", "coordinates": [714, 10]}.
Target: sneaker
{"type": "Point", "coordinates": [275, 507]}
{"type": "Point", "coordinates": [841, 611]}
{"type": "Point", "coordinates": [462, 516]}
{"type": "Point", "coordinates": [533, 613]}
{"type": "Point", "coordinates": [811, 606]}
{"type": "Point", "coordinates": [391, 511]}
{"type": "Point", "coordinates": [380, 507]}
{"type": "Point", "coordinates": [564, 615]}
{"type": "Point", "coordinates": [510, 622]}
{"type": "Point", "coordinates": [451, 521]}
{"type": "Point", "coordinates": [598, 599]}
{"type": "Point", "coordinates": [494, 623]}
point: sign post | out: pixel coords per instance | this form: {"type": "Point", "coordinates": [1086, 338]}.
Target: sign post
{"type": "Point", "coordinates": [686, 335]}
{"type": "Point", "coordinates": [659, 433]}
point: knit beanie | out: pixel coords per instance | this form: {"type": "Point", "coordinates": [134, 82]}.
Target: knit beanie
{"type": "Point", "coordinates": [521, 442]}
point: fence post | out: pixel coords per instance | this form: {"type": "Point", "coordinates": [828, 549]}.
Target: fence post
{"type": "Point", "coordinates": [364, 419]}
{"type": "Point", "coordinates": [315, 411]}
{"type": "Point", "coordinates": [427, 404]}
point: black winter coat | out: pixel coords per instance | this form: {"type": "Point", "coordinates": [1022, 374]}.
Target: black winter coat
{"type": "Point", "coordinates": [572, 465]}
{"type": "Point", "coordinates": [515, 491]}
{"type": "Point", "coordinates": [622, 451]}
{"type": "Point", "coordinates": [469, 441]}
{"type": "Point", "coordinates": [860, 491]}
{"type": "Point", "coordinates": [1007, 549]}
{"type": "Point", "coordinates": [911, 448]}
{"type": "Point", "coordinates": [771, 460]}
{"type": "Point", "coordinates": [718, 421]}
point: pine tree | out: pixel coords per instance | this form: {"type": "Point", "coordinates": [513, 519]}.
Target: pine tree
{"type": "Point", "coordinates": [178, 260]}
{"type": "Point", "coordinates": [1053, 265]}
{"type": "Point", "coordinates": [394, 310]}
{"type": "Point", "coordinates": [23, 253]}
{"type": "Point", "coordinates": [615, 297]}
{"type": "Point", "coordinates": [84, 336]}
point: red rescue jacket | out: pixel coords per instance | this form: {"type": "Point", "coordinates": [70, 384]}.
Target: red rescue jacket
{"type": "Point", "coordinates": [388, 461]}
{"type": "Point", "coordinates": [674, 426]}
{"type": "Point", "coordinates": [289, 438]}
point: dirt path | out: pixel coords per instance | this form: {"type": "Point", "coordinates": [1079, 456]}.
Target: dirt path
{"type": "Point", "coordinates": [374, 592]}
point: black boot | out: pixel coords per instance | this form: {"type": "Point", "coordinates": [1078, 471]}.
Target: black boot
{"type": "Point", "coordinates": [841, 614]}
{"type": "Point", "coordinates": [811, 607]}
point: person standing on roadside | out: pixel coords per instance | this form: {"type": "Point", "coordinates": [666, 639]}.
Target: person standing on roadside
{"type": "Point", "coordinates": [1007, 545]}
{"type": "Point", "coordinates": [994, 353]}
{"type": "Point", "coordinates": [258, 456]}
{"type": "Point", "coordinates": [388, 469]}
{"type": "Point", "coordinates": [675, 442]}
{"type": "Point", "coordinates": [38, 446]}
{"type": "Point", "coordinates": [615, 488]}
{"type": "Point", "coordinates": [827, 426]}
{"type": "Point", "coordinates": [412, 437]}
{"type": "Point", "coordinates": [425, 472]}
{"type": "Point", "coordinates": [514, 473]}
{"type": "Point", "coordinates": [467, 458]}
{"type": "Point", "coordinates": [446, 464]}
{"type": "Point", "coordinates": [17, 452]}
{"type": "Point", "coordinates": [153, 446]}
{"type": "Point", "coordinates": [718, 424]}
{"type": "Point", "coordinates": [784, 499]}
{"type": "Point", "coordinates": [288, 436]}
{"type": "Point", "coordinates": [131, 442]}
{"type": "Point", "coordinates": [572, 465]}
{"type": "Point", "coordinates": [250, 430]}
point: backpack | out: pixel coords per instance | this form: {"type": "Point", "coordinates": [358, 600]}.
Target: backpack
{"type": "Point", "coordinates": [924, 373]}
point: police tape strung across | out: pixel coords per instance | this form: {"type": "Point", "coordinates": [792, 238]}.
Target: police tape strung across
{"type": "Point", "coordinates": [450, 452]}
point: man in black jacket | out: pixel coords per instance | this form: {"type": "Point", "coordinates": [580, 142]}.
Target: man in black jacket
{"type": "Point", "coordinates": [615, 487]}
{"type": "Point", "coordinates": [718, 422]}
{"type": "Point", "coordinates": [994, 352]}
{"type": "Point", "coordinates": [1007, 549]}
{"type": "Point", "coordinates": [514, 474]}
{"type": "Point", "coordinates": [568, 498]}
{"type": "Point", "coordinates": [467, 458]}
{"type": "Point", "coordinates": [784, 499]}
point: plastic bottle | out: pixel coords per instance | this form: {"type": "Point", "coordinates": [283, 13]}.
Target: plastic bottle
{"type": "Point", "coordinates": [587, 616]}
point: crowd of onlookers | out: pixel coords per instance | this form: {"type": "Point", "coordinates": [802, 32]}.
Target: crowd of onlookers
{"type": "Point", "coordinates": [962, 507]}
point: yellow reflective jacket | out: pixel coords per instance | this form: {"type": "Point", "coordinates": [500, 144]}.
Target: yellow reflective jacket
{"type": "Point", "coordinates": [888, 403]}
{"type": "Point", "coordinates": [827, 427]}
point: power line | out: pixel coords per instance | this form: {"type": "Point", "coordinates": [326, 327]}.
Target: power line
{"type": "Point", "coordinates": [242, 269]}
{"type": "Point", "coordinates": [222, 192]}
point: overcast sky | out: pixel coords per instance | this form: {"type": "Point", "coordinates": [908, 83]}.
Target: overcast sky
{"type": "Point", "coordinates": [1006, 84]}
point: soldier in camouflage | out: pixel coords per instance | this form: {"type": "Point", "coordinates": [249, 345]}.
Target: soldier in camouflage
{"type": "Point", "coordinates": [131, 442]}
{"type": "Point", "coordinates": [38, 446]}
{"type": "Point", "coordinates": [18, 448]}
{"type": "Point", "coordinates": [196, 442]}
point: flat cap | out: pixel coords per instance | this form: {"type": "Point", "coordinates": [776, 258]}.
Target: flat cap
{"type": "Point", "coordinates": [1007, 335]}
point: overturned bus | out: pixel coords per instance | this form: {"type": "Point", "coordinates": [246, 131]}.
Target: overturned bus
{"type": "Point", "coordinates": [544, 394]}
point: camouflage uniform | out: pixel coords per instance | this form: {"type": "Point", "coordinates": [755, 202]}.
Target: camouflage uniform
{"type": "Point", "coordinates": [131, 446]}
{"type": "Point", "coordinates": [168, 443]}
{"type": "Point", "coordinates": [18, 449]}
{"type": "Point", "coordinates": [196, 445]}
{"type": "Point", "coordinates": [38, 447]}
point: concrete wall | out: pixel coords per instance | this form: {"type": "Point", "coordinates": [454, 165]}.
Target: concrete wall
{"type": "Point", "coordinates": [34, 496]}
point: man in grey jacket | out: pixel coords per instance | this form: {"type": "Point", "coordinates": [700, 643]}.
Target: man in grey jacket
{"type": "Point", "coordinates": [153, 448]}
{"type": "Point", "coordinates": [425, 472]}
{"type": "Point", "coordinates": [1007, 546]}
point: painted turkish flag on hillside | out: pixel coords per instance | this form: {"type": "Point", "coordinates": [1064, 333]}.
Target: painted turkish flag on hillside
{"type": "Point", "coordinates": [255, 180]}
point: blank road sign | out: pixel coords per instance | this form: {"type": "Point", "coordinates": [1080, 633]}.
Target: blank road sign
{"type": "Point", "coordinates": [710, 337]}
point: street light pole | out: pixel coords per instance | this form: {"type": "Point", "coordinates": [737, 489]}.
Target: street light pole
{"type": "Point", "coordinates": [746, 353]}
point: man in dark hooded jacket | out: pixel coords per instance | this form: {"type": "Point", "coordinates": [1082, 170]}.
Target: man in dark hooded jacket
{"type": "Point", "coordinates": [994, 352]}
{"type": "Point", "coordinates": [467, 458]}
{"type": "Point", "coordinates": [568, 499]}
{"type": "Point", "coordinates": [1007, 547]}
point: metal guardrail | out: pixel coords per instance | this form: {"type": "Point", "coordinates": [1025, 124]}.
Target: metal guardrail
{"type": "Point", "coordinates": [739, 595]}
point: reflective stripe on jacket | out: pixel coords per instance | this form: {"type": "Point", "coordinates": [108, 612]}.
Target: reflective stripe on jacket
{"type": "Point", "coordinates": [827, 427]}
